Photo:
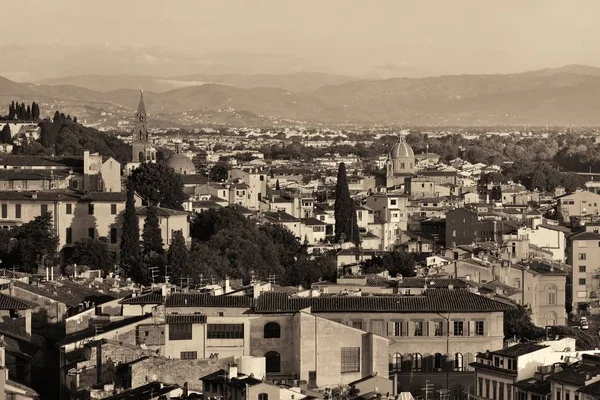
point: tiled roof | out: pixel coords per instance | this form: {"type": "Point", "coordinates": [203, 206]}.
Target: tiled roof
{"type": "Point", "coordinates": [153, 390]}
{"type": "Point", "coordinates": [91, 332]}
{"type": "Point", "coordinates": [456, 300]}
{"type": "Point", "coordinates": [555, 228]}
{"type": "Point", "coordinates": [153, 297]}
{"type": "Point", "coordinates": [534, 386]}
{"type": "Point", "coordinates": [279, 216]}
{"type": "Point", "coordinates": [67, 292]}
{"type": "Point", "coordinates": [105, 196]}
{"type": "Point", "coordinates": [162, 212]}
{"type": "Point", "coordinates": [41, 161]}
{"type": "Point", "coordinates": [575, 374]}
{"type": "Point", "coordinates": [520, 349]}
{"type": "Point", "coordinates": [185, 319]}
{"type": "Point", "coordinates": [49, 195]}
{"type": "Point", "coordinates": [194, 179]}
{"type": "Point", "coordinates": [12, 303]}
{"type": "Point", "coordinates": [413, 282]}
{"type": "Point", "coordinates": [591, 389]}
{"type": "Point", "coordinates": [240, 382]}
{"type": "Point", "coordinates": [207, 300]}
{"type": "Point", "coordinates": [543, 268]}
{"type": "Point", "coordinates": [585, 236]}
{"type": "Point", "coordinates": [312, 221]}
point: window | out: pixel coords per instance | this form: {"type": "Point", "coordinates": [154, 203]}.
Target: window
{"type": "Point", "coordinates": [397, 362]}
{"type": "Point", "coordinates": [438, 362]}
{"type": "Point", "coordinates": [91, 208]}
{"type": "Point", "coordinates": [487, 388]}
{"type": "Point", "coordinates": [458, 328]}
{"type": "Point", "coordinates": [4, 210]}
{"type": "Point", "coordinates": [113, 235]}
{"type": "Point", "coordinates": [418, 331]}
{"type": "Point", "coordinates": [458, 362]}
{"type": "Point", "coordinates": [43, 209]}
{"type": "Point", "coordinates": [558, 394]}
{"type": "Point", "coordinates": [508, 391]}
{"type": "Point", "coordinates": [69, 234]}
{"type": "Point", "coordinates": [438, 328]}
{"type": "Point", "coordinates": [263, 396]}
{"type": "Point", "coordinates": [180, 332]}
{"type": "Point", "coordinates": [273, 362]}
{"type": "Point", "coordinates": [357, 324]}
{"type": "Point", "coordinates": [480, 387]}
{"type": "Point", "coordinates": [225, 331]}
{"type": "Point", "coordinates": [582, 268]}
{"type": "Point", "coordinates": [91, 233]}
{"type": "Point", "coordinates": [398, 328]}
{"type": "Point", "coordinates": [393, 202]}
{"type": "Point", "coordinates": [189, 355]}
{"type": "Point", "coordinates": [494, 385]}
{"type": "Point", "coordinates": [272, 330]}
{"type": "Point", "coordinates": [581, 256]}
{"type": "Point", "coordinates": [350, 359]}
{"type": "Point", "coordinates": [113, 209]}
{"type": "Point", "coordinates": [417, 362]}
{"type": "Point", "coordinates": [479, 331]}
{"type": "Point", "coordinates": [17, 211]}
{"type": "Point", "coordinates": [582, 281]}
{"type": "Point", "coordinates": [567, 395]}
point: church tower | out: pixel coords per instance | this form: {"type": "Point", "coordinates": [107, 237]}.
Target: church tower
{"type": "Point", "coordinates": [141, 148]}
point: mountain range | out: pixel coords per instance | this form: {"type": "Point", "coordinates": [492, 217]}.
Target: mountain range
{"type": "Point", "coordinates": [559, 96]}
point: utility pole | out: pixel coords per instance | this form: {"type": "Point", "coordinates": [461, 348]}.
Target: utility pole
{"type": "Point", "coordinates": [428, 388]}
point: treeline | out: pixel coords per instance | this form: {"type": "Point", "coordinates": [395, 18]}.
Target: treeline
{"type": "Point", "coordinates": [567, 152]}
{"type": "Point", "coordinates": [542, 176]}
{"type": "Point", "coordinates": [22, 112]}
{"type": "Point", "coordinates": [64, 136]}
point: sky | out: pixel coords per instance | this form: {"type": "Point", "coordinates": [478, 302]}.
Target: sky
{"type": "Point", "coordinates": [371, 38]}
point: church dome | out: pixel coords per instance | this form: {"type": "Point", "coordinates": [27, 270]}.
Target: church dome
{"type": "Point", "coordinates": [401, 150]}
{"type": "Point", "coordinates": [181, 164]}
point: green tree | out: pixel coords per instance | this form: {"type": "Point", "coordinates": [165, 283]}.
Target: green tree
{"type": "Point", "coordinates": [159, 185]}
{"type": "Point", "coordinates": [395, 262]}
{"type": "Point", "coordinates": [94, 253]}
{"type": "Point", "coordinates": [517, 323]}
{"type": "Point", "coordinates": [178, 258]}
{"type": "Point", "coordinates": [36, 243]}
{"type": "Point", "coordinates": [277, 185]}
{"type": "Point", "coordinates": [130, 238]}
{"type": "Point", "coordinates": [346, 226]}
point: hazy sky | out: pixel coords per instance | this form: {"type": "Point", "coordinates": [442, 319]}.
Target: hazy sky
{"type": "Point", "coordinates": [364, 38]}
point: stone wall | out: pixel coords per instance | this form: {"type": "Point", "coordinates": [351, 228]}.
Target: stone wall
{"type": "Point", "coordinates": [172, 371]}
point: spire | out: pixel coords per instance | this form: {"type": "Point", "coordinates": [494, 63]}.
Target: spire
{"type": "Point", "coordinates": [141, 110]}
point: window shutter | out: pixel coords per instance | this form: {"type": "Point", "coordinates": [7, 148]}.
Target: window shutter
{"type": "Point", "coordinates": [390, 328]}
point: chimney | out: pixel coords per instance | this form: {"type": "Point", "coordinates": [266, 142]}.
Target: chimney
{"type": "Point", "coordinates": [164, 290]}
{"type": "Point", "coordinates": [227, 286]}
{"type": "Point", "coordinates": [232, 370]}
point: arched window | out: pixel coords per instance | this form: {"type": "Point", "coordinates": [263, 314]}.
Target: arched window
{"type": "Point", "coordinates": [438, 362]}
{"type": "Point", "coordinates": [550, 318]}
{"type": "Point", "coordinates": [263, 396]}
{"type": "Point", "coordinates": [397, 362]}
{"type": "Point", "coordinates": [273, 362]}
{"type": "Point", "coordinates": [458, 362]}
{"type": "Point", "coordinates": [272, 330]}
{"type": "Point", "coordinates": [417, 362]}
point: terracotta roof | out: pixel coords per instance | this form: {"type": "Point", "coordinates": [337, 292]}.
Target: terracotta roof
{"type": "Point", "coordinates": [575, 374]}
{"type": "Point", "coordinates": [194, 179]}
{"type": "Point", "coordinates": [520, 349]}
{"type": "Point", "coordinates": [585, 236]}
{"type": "Point", "coordinates": [153, 297]}
{"type": "Point", "coordinates": [91, 332]}
{"type": "Point", "coordinates": [413, 282]}
{"type": "Point", "coordinates": [12, 303]}
{"type": "Point", "coordinates": [207, 300]}
{"type": "Point", "coordinates": [456, 300]}
{"type": "Point", "coordinates": [185, 319]}
{"type": "Point", "coordinates": [162, 212]}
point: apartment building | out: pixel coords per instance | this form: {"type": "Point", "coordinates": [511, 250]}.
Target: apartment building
{"type": "Point", "coordinates": [583, 253]}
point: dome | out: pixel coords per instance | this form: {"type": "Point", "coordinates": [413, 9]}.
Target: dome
{"type": "Point", "coordinates": [401, 150]}
{"type": "Point", "coordinates": [181, 164]}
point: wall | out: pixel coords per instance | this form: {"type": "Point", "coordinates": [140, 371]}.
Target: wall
{"type": "Point", "coordinates": [173, 371]}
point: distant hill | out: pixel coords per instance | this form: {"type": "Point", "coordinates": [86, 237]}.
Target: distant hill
{"type": "Point", "coordinates": [558, 96]}
{"type": "Point", "coordinates": [298, 82]}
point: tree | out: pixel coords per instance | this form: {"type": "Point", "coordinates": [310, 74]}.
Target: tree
{"type": "Point", "coordinates": [517, 323]}
{"type": "Point", "coordinates": [396, 263]}
{"type": "Point", "coordinates": [159, 185]}
{"type": "Point", "coordinates": [94, 253]}
{"type": "Point", "coordinates": [178, 258]}
{"type": "Point", "coordinates": [219, 171]}
{"type": "Point", "coordinates": [5, 135]}
{"type": "Point", "coordinates": [36, 243]}
{"type": "Point", "coordinates": [130, 238]}
{"type": "Point", "coordinates": [346, 226]}
{"type": "Point", "coordinates": [151, 235]}
{"type": "Point", "coordinates": [277, 185]}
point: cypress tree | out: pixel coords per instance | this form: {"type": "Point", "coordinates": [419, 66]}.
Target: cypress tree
{"type": "Point", "coordinates": [277, 185]}
{"type": "Point", "coordinates": [11, 110]}
{"type": "Point", "coordinates": [28, 112]}
{"type": "Point", "coordinates": [5, 135]}
{"type": "Point", "coordinates": [346, 226]}
{"type": "Point", "coordinates": [151, 236]}
{"type": "Point", "coordinates": [130, 238]}
{"type": "Point", "coordinates": [178, 258]}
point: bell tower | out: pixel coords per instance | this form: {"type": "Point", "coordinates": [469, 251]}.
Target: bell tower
{"type": "Point", "coordinates": [141, 148]}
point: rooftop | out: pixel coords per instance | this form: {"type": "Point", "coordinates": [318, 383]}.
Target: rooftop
{"type": "Point", "coordinates": [207, 300]}
{"type": "Point", "coordinates": [520, 349]}
{"type": "Point", "coordinates": [432, 301]}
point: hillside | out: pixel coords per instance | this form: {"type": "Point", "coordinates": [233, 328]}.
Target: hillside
{"type": "Point", "coordinates": [298, 82]}
{"type": "Point", "coordinates": [559, 96]}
